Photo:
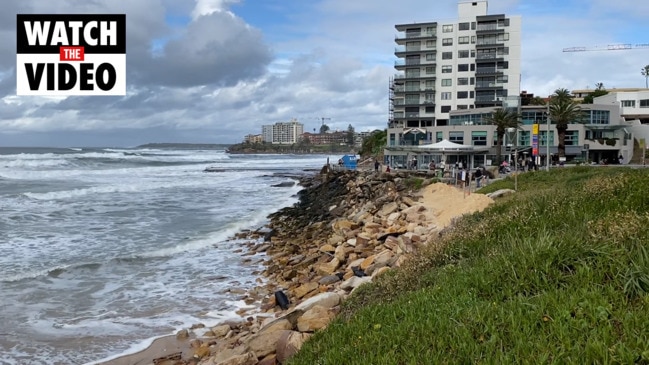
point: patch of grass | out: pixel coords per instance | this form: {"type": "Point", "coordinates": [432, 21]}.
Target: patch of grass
{"type": "Point", "coordinates": [556, 273]}
{"type": "Point", "coordinates": [414, 183]}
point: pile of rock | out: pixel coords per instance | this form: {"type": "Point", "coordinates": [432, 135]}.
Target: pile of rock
{"type": "Point", "coordinates": [348, 228]}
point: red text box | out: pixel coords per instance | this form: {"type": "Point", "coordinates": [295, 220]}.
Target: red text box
{"type": "Point", "coordinates": [71, 54]}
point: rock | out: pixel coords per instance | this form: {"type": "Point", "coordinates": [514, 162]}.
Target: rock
{"type": "Point", "coordinates": [354, 282]}
{"type": "Point", "coordinates": [327, 248]}
{"type": "Point", "coordinates": [314, 319]}
{"type": "Point", "coordinates": [182, 334]}
{"type": "Point", "coordinates": [326, 300]}
{"type": "Point", "coordinates": [285, 184]}
{"type": "Point", "coordinates": [304, 289]}
{"type": "Point", "coordinates": [278, 325]}
{"type": "Point", "coordinates": [340, 253]}
{"type": "Point", "coordinates": [388, 209]}
{"type": "Point", "coordinates": [290, 343]}
{"type": "Point", "coordinates": [221, 331]}
{"type": "Point", "coordinates": [264, 342]}
{"type": "Point", "coordinates": [362, 239]}
{"type": "Point", "coordinates": [500, 193]}
{"type": "Point", "coordinates": [248, 358]}
{"type": "Point", "coordinates": [383, 257]}
{"type": "Point", "coordinates": [329, 268]}
{"type": "Point", "coordinates": [329, 279]}
{"type": "Point", "coordinates": [268, 360]}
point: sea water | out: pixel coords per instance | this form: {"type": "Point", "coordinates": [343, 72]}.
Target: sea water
{"type": "Point", "coordinates": [103, 249]}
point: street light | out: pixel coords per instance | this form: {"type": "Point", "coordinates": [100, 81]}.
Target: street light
{"type": "Point", "coordinates": [547, 139]}
{"type": "Point", "coordinates": [512, 135]}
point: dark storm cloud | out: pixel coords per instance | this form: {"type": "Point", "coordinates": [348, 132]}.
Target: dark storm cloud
{"type": "Point", "coordinates": [217, 49]}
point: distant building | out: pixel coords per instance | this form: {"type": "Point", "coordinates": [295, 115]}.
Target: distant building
{"type": "Point", "coordinates": [267, 133]}
{"type": "Point", "coordinates": [283, 132]}
{"type": "Point", "coordinates": [634, 109]}
{"type": "Point", "coordinates": [253, 138]}
{"type": "Point", "coordinates": [326, 138]}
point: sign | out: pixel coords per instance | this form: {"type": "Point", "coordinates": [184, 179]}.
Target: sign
{"type": "Point", "coordinates": [535, 139]}
{"type": "Point", "coordinates": [71, 54]}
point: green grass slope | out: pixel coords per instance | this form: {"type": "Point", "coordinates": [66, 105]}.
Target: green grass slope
{"type": "Point", "coordinates": [558, 273]}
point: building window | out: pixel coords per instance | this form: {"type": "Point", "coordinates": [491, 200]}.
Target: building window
{"type": "Point", "coordinates": [456, 137]}
{"type": "Point", "coordinates": [446, 96]}
{"type": "Point", "coordinates": [471, 93]}
{"type": "Point", "coordinates": [431, 30]}
{"type": "Point", "coordinates": [462, 54]}
{"type": "Point", "coordinates": [543, 138]}
{"type": "Point", "coordinates": [448, 28]}
{"type": "Point", "coordinates": [430, 57]}
{"type": "Point", "coordinates": [430, 109]}
{"type": "Point", "coordinates": [447, 55]}
{"type": "Point", "coordinates": [472, 39]}
{"type": "Point", "coordinates": [430, 70]}
{"type": "Point", "coordinates": [524, 138]}
{"type": "Point", "coordinates": [644, 103]}
{"type": "Point", "coordinates": [446, 108]}
{"type": "Point", "coordinates": [463, 26]}
{"type": "Point", "coordinates": [473, 67]}
{"type": "Point", "coordinates": [462, 107]}
{"type": "Point", "coordinates": [447, 42]}
{"type": "Point", "coordinates": [462, 81]}
{"type": "Point", "coordinates": [503, 37]}
{"type": "Point", "coordinates": [472, 81]}
{"type": "Point", "coordinates": [628, 103]}
{"type": "Point", "coordinates": [439, 136]}
{"type": "Point", "coordinates": [479, 138]}
{"type": "Point", "coordinates": [472, 25]}
{"type": "Point", "coordinates": [447, 69]}
{"type": "Point", "coordinates": [447, 82]}
{"type": "Point", "coordinates": [572, 138]}
{"type": "Point", "coordinates": [430, 44]}
{"type": "Point", "coordinates": [462, 94]}
{"type": "Point", "coordinates": [463, 67]}
{"type": "Point", "coordinates": [597, 116]}
{"type": "Point", "coordinates": [463, 40]}
{"type": "Point", "coordinates": [473, 53]}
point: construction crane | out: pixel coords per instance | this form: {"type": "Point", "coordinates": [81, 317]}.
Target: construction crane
{"type": "Point", "coordinates": [323, 119]}
{"type": "Point", "coordinates": [610, 47]}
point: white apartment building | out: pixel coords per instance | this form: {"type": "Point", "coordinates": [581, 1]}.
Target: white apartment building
{"type": "Point", "coordinates": [472, 62]}
{"type": "Point", "coordinates": [283, 133]}
{"type": "Point", "coordinates": [634, 109]}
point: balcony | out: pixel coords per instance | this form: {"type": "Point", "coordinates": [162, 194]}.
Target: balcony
{"type": "Point", "coordinates": [489, 57]}
{"type": "Point", "coordinates": [488, 70]}
{"type": "Point", "coordinates": [403, 36]}
{"type": "Point", "coordinates": [488, 84]}
{"type": "Point", "coordinates": [489, 44]}
{"type": "Point", "coordinates": [489, 28]}
{"type": "Point", "coordinates": [401, 51]}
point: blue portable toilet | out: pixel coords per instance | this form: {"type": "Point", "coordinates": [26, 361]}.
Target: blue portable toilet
{"type": "Point", "coordinates": [349, 161]}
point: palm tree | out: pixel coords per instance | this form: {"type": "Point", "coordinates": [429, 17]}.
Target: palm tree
{"type": "Point", "coordinates": [645, 73]}
{"type": "Point", "coordinates": [502, 119]}
{"type": "Point", "coordinates": [563, 111]}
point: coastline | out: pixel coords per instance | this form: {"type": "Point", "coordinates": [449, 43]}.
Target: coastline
{"type": "Point", "coordinates": [343, 222]}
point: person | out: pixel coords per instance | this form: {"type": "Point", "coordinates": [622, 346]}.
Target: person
{"type": "Point", "coordinates": [414, 163]}
{"type": "Point", "coordinates": [340, 162]}
{"type": "Point", "coordinates": [620, 160]}
{"type": "Point", "coordinates": [442, 166]}
{"type": "Point", "coordinates": [387, 168]}
{"type": "Point", "coordinates": [478, 177]}
{"type": "Point", "coordinates": [431, 165]}
{"type": "Point", "coordinates": [376, 165]}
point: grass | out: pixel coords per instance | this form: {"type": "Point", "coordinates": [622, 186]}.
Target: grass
{"type": "Point", "coordinates": [557, 273]}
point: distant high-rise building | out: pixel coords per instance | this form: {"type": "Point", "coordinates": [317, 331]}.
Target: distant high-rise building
{"type": "Point", "coordinates": [283, 133]}
{"type": "Point", "coordinates": [471, 62]}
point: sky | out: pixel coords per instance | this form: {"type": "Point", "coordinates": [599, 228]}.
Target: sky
{"type": "Point", "coordinates": [212, 71]}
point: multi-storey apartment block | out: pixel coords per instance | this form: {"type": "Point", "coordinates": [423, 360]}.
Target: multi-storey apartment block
{"type": "Point", "coordinates": [283, 133]}
{"type": "Point", "coordinates": [471, 62]}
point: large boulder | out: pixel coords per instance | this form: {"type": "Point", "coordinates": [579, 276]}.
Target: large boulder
{"type": "Point", "coordinates": [290, 343]}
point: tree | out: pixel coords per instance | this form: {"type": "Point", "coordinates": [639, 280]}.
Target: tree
{"type": "Point", "coordinates": [645, 73]}
{"type": "Point", "coordinates": [502, 119]}
{"type": "Point", "coordinates": [351, 134]}
{"type": "Point", "coordinates": [324, 128]}
{"type": "Point", "coordinates": [563, 111]}
{"type": "Point", "coordinates": [599, 91]}
{"type": "Point", "coordinates": [374, 143]}
{"type": "Point", "coordinates": [537, 100]}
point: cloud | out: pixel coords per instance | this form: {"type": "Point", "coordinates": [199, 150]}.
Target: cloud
{"type": "Point", "coordinates": [216, 70]}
